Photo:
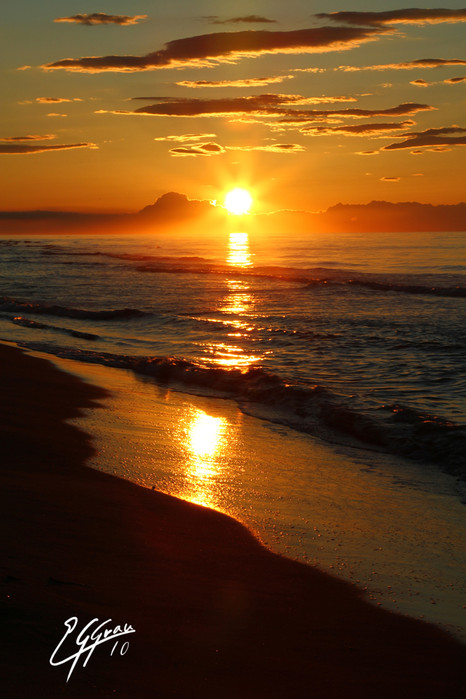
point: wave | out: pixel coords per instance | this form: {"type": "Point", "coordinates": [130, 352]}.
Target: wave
{"type": "Point", "coordinates": [132, 257]}
{"type": "Point", "coordinates": [317, 276]}
{"type": "Point", "coordinates": [28, 323]}
{"type": "Point", "coordinates": [224, 323]}
{"type": "Point", "coordinates": [308, 408]}
{"type": "Point", "coordinates": [451, 291]}
{"type": "Point", "coordinates": [16, 306]}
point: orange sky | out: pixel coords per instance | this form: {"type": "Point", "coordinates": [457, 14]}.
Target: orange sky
{"type": "Point", "coordinates": [108, 111]}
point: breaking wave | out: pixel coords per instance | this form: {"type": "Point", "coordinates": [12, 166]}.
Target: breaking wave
{"type": "Point", "coordinates": [16, 306]}
{"type": "Point", "coordinates": [28, 323]}
{"type": "Point", "coordinates": [308, 408]}
{"type": "Point", "coordinates": [451, 291]}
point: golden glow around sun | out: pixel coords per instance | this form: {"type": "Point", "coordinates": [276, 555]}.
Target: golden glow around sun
{"type": "Point", "coordinates": [238, 201]}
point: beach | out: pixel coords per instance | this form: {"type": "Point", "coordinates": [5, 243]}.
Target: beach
{"type": "Point", "coordinates": [232, 366]}
{"type": "Point", "coordinates": [214, 613]}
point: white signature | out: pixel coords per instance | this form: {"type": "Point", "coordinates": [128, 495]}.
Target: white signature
{"type": "Point", "coordinates": [88, 639]}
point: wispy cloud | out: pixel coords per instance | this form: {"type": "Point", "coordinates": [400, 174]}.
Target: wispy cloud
{"type": "Point", "coordinates": [24, 148]}
{"type": "Point", "coordinates": [265, 104]}
{"type": "Point", "coordinates": [376, 129]}
{"type": "Point", "coordinates": [303, 116]}
{"type": "Point", "coordinates": [235, 105]}
{"type": "Point", "coordinates": [247, 19]}
{"type": "Point", "coordinates": [404, 16]}
{"type": "Point", "coordinates": [29, 137]}
{"type": "Point", "coordinates": [397, 178]}
{"type": "Point", "coordinates": [186, 137]}
{"type": "Point", "coordinates": [56, 100]}
{"type": "Point", "coordinates": [308, 70]}
{"type": "Point", "coordinates": [200, 149]}
{"type": "Point", "coordinates": [454, 81]}
{"type": "Point", "coordinates": [272, 148]}
{"type": "Point", "coordinates": [420, 83]}
{"type": "Point", "coordinates": [216, 149]}
{"type": "Point", "coordinates": [102, 18]}
{"type": "Point", "coordinates": [245, 82]}
{"type": "Point", "coordinates": [440, 137]}
{"type": "Point", "coordinates": [408, 65]}
{"type": "Point", "coordinates": [226, 47]}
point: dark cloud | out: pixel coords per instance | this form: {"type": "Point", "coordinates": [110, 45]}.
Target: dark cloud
{"type": "Point", "coordinates": [420, 82]}
{"type": "Point", "coordinates": [431, 138]}
{"type": "Point", "coordinates": [304, 116]}
{"type": "Point", "coordinates": [102, 18]}
{"type": "Point", "coordinates": [390, 179]}
{"type": "Point", "coordinates": [245, 82]}
{"type": "Point", "coordinates": [151, 98]}
{"type": "Point", "coordinates": [408, 65]}
{"type": "Point", "coordinates": [248, 19]}
{"type": "Point", "coordinates": [236, 105]}
{"type": "Point", "coordinates": [29, 137]}
{"type": "Point", "coordinates": [201, 149]}
{"type": "Point", "coordinates": [405, 16]}
{"type": "Point", "coordinates": [453, 81]}
{"type": "Point", "coordinates": [449, 81]}
{"type": "Point", "coordinates": [23, 148]}
{"type": "Point", "coordinates": [257, 108]}
{"type": "Point", "coordinates": [358, 129]}
{"type": "Point", "coordinates": [264, 103]}
{"type": "Point", "coordinates": [230, 47]}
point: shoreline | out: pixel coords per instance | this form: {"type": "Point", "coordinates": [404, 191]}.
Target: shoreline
{"type": "Point", "coordinates": [393, 528]}
{"type": "Point", "coordinates": [215, 613]}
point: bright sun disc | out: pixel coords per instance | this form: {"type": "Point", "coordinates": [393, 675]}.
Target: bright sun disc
{"type": "Point", "coordinates": [238, 201]}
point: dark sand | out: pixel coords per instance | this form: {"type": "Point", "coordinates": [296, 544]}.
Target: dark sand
{"type": "Point", "coordinates": [215, 613]}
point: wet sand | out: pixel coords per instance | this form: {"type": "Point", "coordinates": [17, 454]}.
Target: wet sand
{"type": "Point", "coordinates": [215, 613]}
{"type": "Point", "coordinates": [396, 528]}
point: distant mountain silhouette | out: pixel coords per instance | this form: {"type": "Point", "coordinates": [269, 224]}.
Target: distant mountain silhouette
{"type": "Point", "coordinates": [175, 206]}
{"type": "Point", "coordinates": [377, 216]}
{"type": "Point", "coordinates": [174, 210]}
{"type": "Point", "coordinates": [405, 216]}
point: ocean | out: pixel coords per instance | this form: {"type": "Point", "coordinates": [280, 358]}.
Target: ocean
{"type": "Point", "coordinates": [302, 375]}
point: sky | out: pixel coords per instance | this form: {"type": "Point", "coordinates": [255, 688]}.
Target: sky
{"type": "Point", "coordinates": [108, 105]}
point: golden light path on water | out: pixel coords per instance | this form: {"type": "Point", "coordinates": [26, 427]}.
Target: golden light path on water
{"type": "Point", "coordinates": [237, 301]}
{"type": "Point", "coordinates": [239, 254]}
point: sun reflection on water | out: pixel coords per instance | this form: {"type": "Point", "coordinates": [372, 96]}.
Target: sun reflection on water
{"type": "Point", "coordinates": [231, 356]}
{"type": "Point", "coordinates": [205, 444]}
{"type": "Point", "coordinates": [237, 299]}
{"type": "Point", "coordinates": [239, 254]}
{"type": "Point", "coordinates": [238, 302]}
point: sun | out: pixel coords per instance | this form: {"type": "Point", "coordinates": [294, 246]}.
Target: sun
{"type": "Point", "coordinates": [238, 201]}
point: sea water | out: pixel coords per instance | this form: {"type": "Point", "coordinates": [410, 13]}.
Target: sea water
{"type": "Point", "coordinates": [354, 341]}
{"type": "Point", "coordinates": [359, 334]}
